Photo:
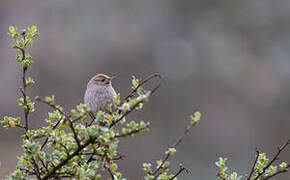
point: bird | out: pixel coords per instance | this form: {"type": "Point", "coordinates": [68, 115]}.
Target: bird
{"type": "Point", "coordinates": [100, 94]}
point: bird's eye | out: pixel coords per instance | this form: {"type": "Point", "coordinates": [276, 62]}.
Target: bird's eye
{"type": "Point", "coordinates": [103, 80]}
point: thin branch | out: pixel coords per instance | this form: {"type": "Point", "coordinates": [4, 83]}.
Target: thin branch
{"type": "Point", "coordinates": [76, 119]}
{"type": "Point", "coordinates": [280, 149]}
{"type": "Point", "coordinates": [27, 171]}
{"type": "Point", "coordinates": [24, 85]}
{"type": "Point", "coordinates": [142, 82]}
{"type": "Point", "coordinates": [43, 164]}
{"type": "Point", "coordinates": [278, 172]}
{"type": "Point", "coordinates": [74, 133]}
{"type": "Point", "coordinates": [111, 173]}
{"type": "Point", "coordinates": [176, 143]}
{"type": "Point", "coordinates": [67, 117]}
{"type": "Point", "coordinates": [91, 114]}
{"type": "Point", "coordinates": [254, 165]}
{"type": "Point", "coordinates": [181, 168]}
{"type": "Point", "coordinates": [131, 133]}
{"type": "Point", "coordinates": [63, 162]}
{"type": "Point", "coordinates": [132, 94]}
{"type": "Point", "coordinates": [120, 157]}
{"type": "Point", "coordinates": [65, 148]}
{"type": "Point", "coordinates": [126, 113]}
{"type": "Point", "coordinates": [36, 168]}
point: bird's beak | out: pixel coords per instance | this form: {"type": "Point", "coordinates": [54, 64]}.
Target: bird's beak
{"type": "Point", "coordinates": [111, 78]}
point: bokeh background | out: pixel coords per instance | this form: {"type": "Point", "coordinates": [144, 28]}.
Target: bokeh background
{"type": "Point", "coordinates": [227, 59]}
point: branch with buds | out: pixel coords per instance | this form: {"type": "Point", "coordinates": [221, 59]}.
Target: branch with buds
{"type": "Point", "coordinates": [71, 147]}
{"type": "Point", "coordinates": [262, 168]}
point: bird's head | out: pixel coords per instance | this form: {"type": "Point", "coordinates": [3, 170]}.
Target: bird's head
{"type": "Point", "coordinates": [101, 80]}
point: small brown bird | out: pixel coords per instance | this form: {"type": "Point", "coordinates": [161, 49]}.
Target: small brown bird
{"type": "Point", "coordinates": [100, 93]}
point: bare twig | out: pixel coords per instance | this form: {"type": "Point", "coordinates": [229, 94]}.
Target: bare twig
{"type": "Point", "coordinates": [92, 118]}
{"type": "Point", "coordinates": [254, 165]}
{"type": "Point", "coordinates": [142, 82]}
{"type": "Point", "coordinates": [181, 168]}
{"type": "Point", "coordinates": [280, 149]}
{"type": "Point", "coordinates": [176, 143]}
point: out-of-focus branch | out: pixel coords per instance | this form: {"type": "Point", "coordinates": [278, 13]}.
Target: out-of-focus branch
{"type": "Point", "coordinates": [131, 94]}
{"type": "Point", "coordinates": [278, 172]}
{"type": "Point", "coordinates": [254, 165]}
{"type": "Point", "coordinates": [280, 149]}
{"type": "Point", "coordinates": [176, 143]}
{"type": "Point", "coordinates": [181, 169]}
{"type": "Point", "coordinates": [142, 82]}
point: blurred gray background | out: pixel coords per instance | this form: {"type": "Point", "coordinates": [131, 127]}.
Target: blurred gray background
{"type": "Point", "coordinates": [227, 59]}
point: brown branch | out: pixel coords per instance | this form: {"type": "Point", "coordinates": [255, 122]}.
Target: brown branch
{"type": "Point", "coordinates": [27, 171]}
{"type": "Point", "coordinates": [141, 83]}
{"type": "Point", "coordinates": [67, 117]}
{"type": "Point", "coordinates": [176, 143]}
{"type": "Point", "coordinates": [280, 149]}
{"type": "Point", "coordinates": [91, 114]}
{"type": "Point", "coordinates": [65, 148]}
{"type": "Point", "coordinates": [181, 168]}
{"type": "Point", "coordinates": [23, 89]}
{"type": "Point", "coordinates": [111, 173]}
{"type": "Point", "coordinates": [278, 172]}
{"type": "Point", "coordinates": [36, 168]}
{"type": "Point", "coordinates": [43, 164]}
{"type": "Point", "coordinates": [74, 133]}
{"type": "Point", "coordinates": [254, 165]}
{"type": "Point", "coordinates": [120, 157]}
{"type": "Point", "coordinates": [64, 161]}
